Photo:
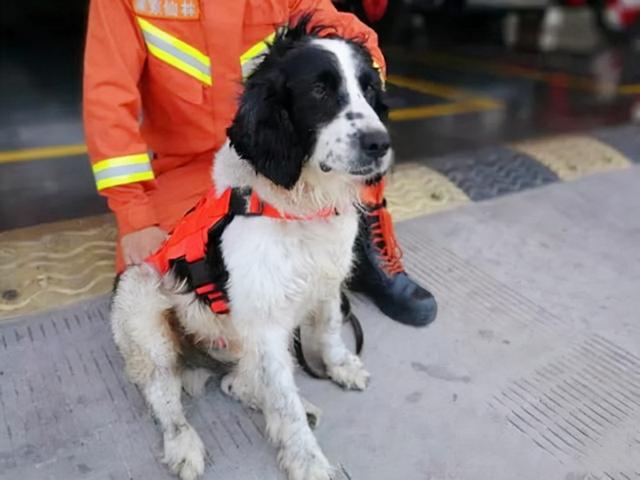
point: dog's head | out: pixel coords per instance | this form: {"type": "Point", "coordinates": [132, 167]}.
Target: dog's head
{"type": "Point", "coordinates": [313, 103]}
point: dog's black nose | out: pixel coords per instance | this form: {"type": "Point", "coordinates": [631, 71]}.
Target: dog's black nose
{"type": "Point", "coordinates": [375, 144]}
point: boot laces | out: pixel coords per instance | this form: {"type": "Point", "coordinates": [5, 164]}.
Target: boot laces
{"type": "Point", "coordinates": [384, 240]}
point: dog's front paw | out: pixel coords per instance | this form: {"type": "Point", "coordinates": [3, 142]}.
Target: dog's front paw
{"type": "Point", "coordinates": [184, 453]}
{"type": "Point", "coordinates": [350, 373]}
{"type": "Point", "coordinates": [306, 465]}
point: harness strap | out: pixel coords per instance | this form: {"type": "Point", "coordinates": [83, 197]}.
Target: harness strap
{"type": "Point", "coordinates": [199, 274]}
{"type": "Point", "coordinates": [245, 202]}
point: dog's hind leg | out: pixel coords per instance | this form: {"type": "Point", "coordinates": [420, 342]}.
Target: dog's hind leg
{"type": "Point", "coordinates": [265, 373]}
{"type": "Point", "coordinates": [343, 367]}
{"type": "Point", "coordinates": [142, 327]}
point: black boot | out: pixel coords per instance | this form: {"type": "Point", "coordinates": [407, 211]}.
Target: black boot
{"type": "Point", "coordinates": [379, 273]}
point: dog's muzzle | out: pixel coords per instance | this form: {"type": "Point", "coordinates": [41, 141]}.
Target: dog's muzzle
{"type": "Point", "coordinates": [374, 144]}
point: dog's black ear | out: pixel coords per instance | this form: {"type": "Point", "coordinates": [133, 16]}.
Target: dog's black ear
{"type": "Point", "coordinates": [262, 132]}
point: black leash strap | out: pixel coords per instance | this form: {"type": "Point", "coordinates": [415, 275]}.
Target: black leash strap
{"type": "Point", "coordinates": [358, 333]}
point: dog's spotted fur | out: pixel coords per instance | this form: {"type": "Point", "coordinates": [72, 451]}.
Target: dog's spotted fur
{"type": "Point", "coordinates": [297, 140]}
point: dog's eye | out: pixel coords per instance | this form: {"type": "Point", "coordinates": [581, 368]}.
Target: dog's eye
{"type": "Point", "coordinates": [319, 90]}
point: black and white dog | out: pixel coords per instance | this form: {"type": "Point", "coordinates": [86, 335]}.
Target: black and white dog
{"type": "Point", "coordinates": [308, 134]}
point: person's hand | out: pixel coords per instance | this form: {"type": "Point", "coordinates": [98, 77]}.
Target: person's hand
{"type": "Point", "coordinates": [137, 246]}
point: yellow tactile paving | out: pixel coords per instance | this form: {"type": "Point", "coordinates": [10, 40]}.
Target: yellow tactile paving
{"type": "Point", "coordinates": [55, 264]}
{"type": "Point", "coordinates": [573, 156]}
{"type": "Point", "coordinates": [414, 190]}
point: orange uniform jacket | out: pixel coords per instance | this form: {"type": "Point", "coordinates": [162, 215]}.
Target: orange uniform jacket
{"type": "Point", "coordinates": [163, 76]}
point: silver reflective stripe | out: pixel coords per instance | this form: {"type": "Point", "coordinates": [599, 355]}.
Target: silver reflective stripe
{"type": "Point", "coordinates": [124, 170]}
{"type": "Point", "coordinates": [174, 52]}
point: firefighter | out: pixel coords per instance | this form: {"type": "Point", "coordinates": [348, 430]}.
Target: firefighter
{"type": "Point", "coordinates": [163, 76]}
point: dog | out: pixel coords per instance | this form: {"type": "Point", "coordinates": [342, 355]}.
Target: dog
{"type": "Point", "coordinates": [308, 134]}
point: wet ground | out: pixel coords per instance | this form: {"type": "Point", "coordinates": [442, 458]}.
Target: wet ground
{"type": "Point", "coordinates": [463, 98]}
{"type": "Point", "coordinates": [444, 98]}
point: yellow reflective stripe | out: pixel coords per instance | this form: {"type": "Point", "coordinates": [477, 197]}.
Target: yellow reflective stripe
{"type": "Point", "coordinates": [121, 162]}
{"type": "Point", "coordinates": [124, 179]}
{"type": "Point", "coordinates": [175, 52]}
{"type": "Point", "coordinates": [179, 64]}
{"type": "Point", "coordinates": [122, 170]}
{"type": "Point", "coordinates": [256, 49]}
{"type": "Point", "coordinates": [176, 42]}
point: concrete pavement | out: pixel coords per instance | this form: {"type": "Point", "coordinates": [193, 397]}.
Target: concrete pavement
{"type": "Point", "coordinates": [532, 370]}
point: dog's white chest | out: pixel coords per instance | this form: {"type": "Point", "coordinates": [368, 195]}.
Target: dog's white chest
{"type": "Point", "coordinates": [279, 262]}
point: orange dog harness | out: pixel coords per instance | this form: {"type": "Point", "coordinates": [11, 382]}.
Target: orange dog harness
{"type": "Point", "coordinates": [193, 250]}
